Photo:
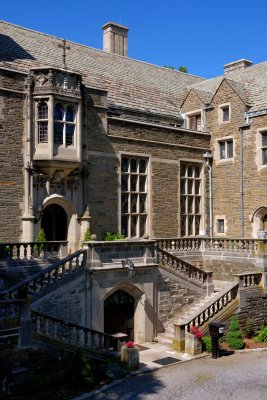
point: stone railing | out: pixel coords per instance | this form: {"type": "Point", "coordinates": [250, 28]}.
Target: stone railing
{"type": "Point", "coordinates": [180, 244]}
{"type": "Point", "coordinates": [33, 285]}
{"type": "Point", "coordinates": [229, 245]}
{"type": "Point", "coordinates": [206, 314]}
{"type": "Point", "coordinates": [71, 333]}
{"type": "Point", "coordinates": [30, 250]}
{"type": "Point", "coordinates": [249, 280]}
{"type": "Point", "coordinates": [185, 270]}
{"type": "Point", "coordinates": [206, 244]}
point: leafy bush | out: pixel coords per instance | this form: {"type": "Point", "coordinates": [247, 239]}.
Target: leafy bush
{"type": "Point", "coordinates": [40, 238]}
{"type": "Point", "coordinates": [206, 340]}
{"type": "Point", "coordinates": [196, 332]}
{"type": "Point", "coordinates": [87, 236]}
{"type": "Point", "coordinates": [80, 372]}
{"type": "Point", "coordinates": [234, 334]}
{"type": "Point", "coordinates": [248, 329]}
{"type": "Point", "coordinates": [261, 335]}
{"type": "Point", "coordinates": [108, 236]}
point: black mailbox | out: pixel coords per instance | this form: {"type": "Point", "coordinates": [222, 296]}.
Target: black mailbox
{"type": "Point", "coordinates": [216, 331]}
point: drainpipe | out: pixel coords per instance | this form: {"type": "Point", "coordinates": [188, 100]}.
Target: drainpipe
{"type": "Point", "coordinates": [208, 160]}
{"type": "Point", "coordinates": [242, 223]}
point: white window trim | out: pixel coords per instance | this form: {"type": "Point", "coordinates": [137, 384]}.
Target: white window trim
{"type": "Point", "coordinates": [218, 217]}
{"type": "Point", "coordinates": [149, 189]}
{"type": "Point", "coordinates": [259, 148]}
{"type": "Point", "coordinates": [220, 113]}
{"type": "Point", "coordinates": [217, 151]}
{"type": "Point", "coordinates": [202, 226]}
{"type": "Point", "coordinates": [191, 114]}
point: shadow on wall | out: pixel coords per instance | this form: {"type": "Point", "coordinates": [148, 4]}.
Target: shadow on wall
{"type": "Point", "coordinates": [11, 50]}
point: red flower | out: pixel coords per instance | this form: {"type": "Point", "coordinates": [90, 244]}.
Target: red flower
{"type": "Point", "coordinates": [196, 332]}
{"type": "Point", "coordinates": [130, 344]}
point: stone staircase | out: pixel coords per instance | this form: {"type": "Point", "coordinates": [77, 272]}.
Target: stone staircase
{"type": "Point", "coordinates": [196, 308]}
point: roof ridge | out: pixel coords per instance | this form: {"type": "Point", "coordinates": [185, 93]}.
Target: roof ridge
{"type": "Point", "coordinates": [101, 51]}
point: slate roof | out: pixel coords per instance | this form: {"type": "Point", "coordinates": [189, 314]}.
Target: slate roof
{"type": "Point", "coordinates": [249, 83]}
{"type": "Point", "coordinates": [130, 83]}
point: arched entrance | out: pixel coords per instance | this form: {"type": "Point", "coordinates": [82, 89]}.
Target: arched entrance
{"type": "Point", "coordinates": [54, 222]}
{"type": "Point", "coordinates": [119, 314]}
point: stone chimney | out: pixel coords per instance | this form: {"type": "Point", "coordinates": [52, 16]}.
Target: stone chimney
{"type": "Point", "coordinates": [115, 39]}
{"type": "Point", "coordinates": [236, 65]}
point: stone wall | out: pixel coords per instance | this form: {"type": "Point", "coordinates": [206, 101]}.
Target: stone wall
{"type": "Point", "coordinates": [174, 298]}
{"type": "Point", "coordinates": [11, 157]}
{"type": "Point", "coordinates": [253, 314]}
{"type": "Point", "coordinates": [68, 302]}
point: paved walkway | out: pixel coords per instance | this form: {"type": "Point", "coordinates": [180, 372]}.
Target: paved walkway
{"type": "Point", "coordinates": [240, 376]}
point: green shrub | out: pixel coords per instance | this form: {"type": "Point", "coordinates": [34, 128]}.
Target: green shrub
{"type": "Point", "coordinates": [206, 340]}
{"type": "Point", "coordinates": [248, 329]}
{"type": "Point", "coordinates": [261, 335]}
{"type": "Point", "coordinates": [79, 370]}
{"type": "Point", "coordinates": [113, 236]}
{"type": "Point", "coordinates": [234, 334]}
{"type": "Point", "coordinates": [87, 236]}
{"type": "Point", "coordinates": [40, 238]}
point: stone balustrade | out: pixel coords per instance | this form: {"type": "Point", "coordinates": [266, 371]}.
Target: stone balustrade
{"type": "Point", "coordinates": [206, 244]}
{"type": "Point", "coordinates": [33, 285]}
{"type": "Point", "coordinates": [185, 270]}
{"type": "Point", "coordinates": [24, 251]}
{"type": "Point", "coordinates": [206, 314]}
{"type": "Point", "coordinates": [71, 333]}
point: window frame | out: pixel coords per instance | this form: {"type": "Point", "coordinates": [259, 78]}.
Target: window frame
{"type": "Point", "coordinates": [187, 210]}
{"type": "Point", "coordinates": [218, 220]}
{"type": "Point", "coordinates": [221, 109]}
{"type": "Point", "coordinates": [194, 114]}
{"type": "Point", "coordinates": [134, 194]}
{"type": "Point", "coordinates": [226, 141]}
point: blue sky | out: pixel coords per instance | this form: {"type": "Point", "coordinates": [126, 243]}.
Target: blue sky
{"type": "Point", "coordinates": [202, 35]}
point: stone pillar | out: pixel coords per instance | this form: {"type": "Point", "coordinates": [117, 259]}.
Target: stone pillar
{"type": "Point", "coordinates": [25, 333]}
{"type": "Point", "coordinates": [179, 337]}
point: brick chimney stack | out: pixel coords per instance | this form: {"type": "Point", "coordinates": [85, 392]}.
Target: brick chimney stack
{"type": "Point", "coordinates": [236, 65]}
{"type": "Point", "coordinates": [115, 39]}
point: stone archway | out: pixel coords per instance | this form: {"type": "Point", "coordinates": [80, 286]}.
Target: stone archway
{"type": "Point", "coordinates": [119, 313]}
{"type": "Point", "coordinates": [259, 220]}
{"type": "Point", "coordinates": [55, 223]}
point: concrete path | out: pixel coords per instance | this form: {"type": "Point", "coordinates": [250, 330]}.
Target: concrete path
{"type": "Point", "coordinates": [240, 376]}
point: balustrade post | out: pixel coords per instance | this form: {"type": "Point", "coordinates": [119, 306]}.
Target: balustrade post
{"type": "Point", "coordinates": [209, 283]}
{"type": "Point", "coordinates": [179, 337]}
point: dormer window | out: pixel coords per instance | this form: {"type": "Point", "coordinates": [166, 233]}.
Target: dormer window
{"type": "Point", "coordinates": [194, 122]}
{"type": "Point", "coordinates": [42, 121]}
{"type": "Point", "coordinates": [64, 124]}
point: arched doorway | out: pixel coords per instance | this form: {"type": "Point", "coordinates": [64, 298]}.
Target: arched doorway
{"type": "Point", "coordinates": [119, 314]}
{"type": "Point", "coordinates": [54, 222]}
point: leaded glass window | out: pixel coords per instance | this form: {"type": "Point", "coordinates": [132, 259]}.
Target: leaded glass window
{"type": "Point", "coordinates": [42, 121]}
{"type": "Point", "coordinates": [264, 148]}
{"type": "Point", "coordinates": [190, 199]}
{"type": "Point", "coordinates": [64, 124]}
{"type": "Point", "coordinates": [134, 194]}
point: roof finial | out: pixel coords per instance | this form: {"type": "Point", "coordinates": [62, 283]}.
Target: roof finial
{"type": "Point", "coordinates": [65, 47]}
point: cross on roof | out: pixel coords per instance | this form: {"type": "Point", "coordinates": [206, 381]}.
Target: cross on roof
{"type": "Point", "coordinates": [65, 47]}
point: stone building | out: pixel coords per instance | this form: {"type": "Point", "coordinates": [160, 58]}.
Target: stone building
{"type": "Point", "coordinates": [232, 108]}
{"type": "Point", "coordinates": [93, 137]}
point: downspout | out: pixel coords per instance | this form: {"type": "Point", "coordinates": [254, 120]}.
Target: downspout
{"type": "Point", "coordinates": [242, 223]}
{"type": "Point", "coordinates": [208, 159]}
